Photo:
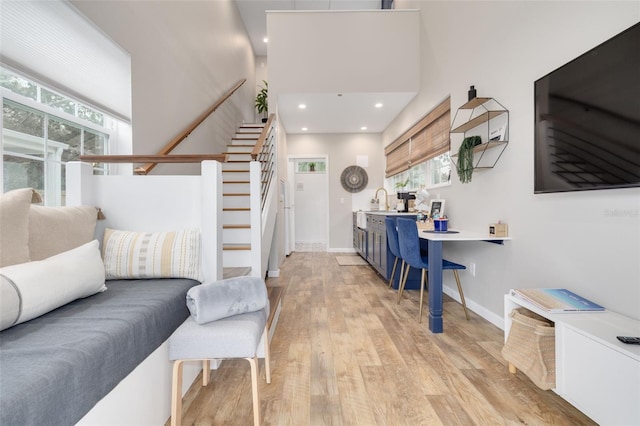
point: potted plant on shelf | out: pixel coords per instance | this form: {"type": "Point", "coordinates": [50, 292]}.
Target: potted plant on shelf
{"type": "Point", "coordinates": [401, 186]}
{"type": "Point", "coordinates": [262, 103]}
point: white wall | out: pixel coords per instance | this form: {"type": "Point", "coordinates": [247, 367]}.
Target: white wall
{"type": "Point", "coordinates": [585, 241]}
{"type": "Point", "coordinates": [262, 73]}
{"type": "Point", "coordinates": [342, 151]}
{"type": "Point", "coordinates": [354, 40]}
{"type": "Point", "coordinates": [184, 56]}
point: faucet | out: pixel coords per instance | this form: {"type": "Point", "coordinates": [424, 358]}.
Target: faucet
{"type": "Point", "coordinates": [386, 197]}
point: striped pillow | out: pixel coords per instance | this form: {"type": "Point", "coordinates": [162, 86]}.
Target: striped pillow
{"type": "Point", "coordinates": [152, 254]}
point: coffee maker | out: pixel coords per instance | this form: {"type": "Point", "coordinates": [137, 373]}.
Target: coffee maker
{"type": "Point", "coordinates": [405, 197]}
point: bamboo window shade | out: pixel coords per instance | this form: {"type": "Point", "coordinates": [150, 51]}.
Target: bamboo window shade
{"type": "Point", "coordinates": [427, 139]}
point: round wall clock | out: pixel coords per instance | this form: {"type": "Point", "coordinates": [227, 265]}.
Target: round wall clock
{"type": "Point", "coordinates": [354, 179]}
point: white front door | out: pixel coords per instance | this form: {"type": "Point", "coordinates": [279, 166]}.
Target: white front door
{"type": "Point", "coordinates": [310, 203]}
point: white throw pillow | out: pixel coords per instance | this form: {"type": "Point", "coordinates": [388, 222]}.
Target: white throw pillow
{"type": "Point", "coordinates": [173, 254]}
{"type": "Point", "coordinates": [44, 285]}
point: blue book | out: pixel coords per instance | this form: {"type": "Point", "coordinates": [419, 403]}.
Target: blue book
{"type": "Point", "coordinates": [557, 300]}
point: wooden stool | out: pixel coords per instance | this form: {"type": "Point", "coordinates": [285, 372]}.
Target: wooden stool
{"type": "Point", "coordinates": [233, 337]}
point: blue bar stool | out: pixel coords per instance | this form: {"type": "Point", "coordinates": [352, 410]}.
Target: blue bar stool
{"type": "Point", "coordinates": [392, 240]}
{"type": "Point", "coordinates": [409, 243]}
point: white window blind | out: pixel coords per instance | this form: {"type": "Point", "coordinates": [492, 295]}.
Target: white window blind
{"type": "Point", "coordinates": [54, 43]}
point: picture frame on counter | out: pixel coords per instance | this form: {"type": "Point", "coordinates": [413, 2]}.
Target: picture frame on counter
{"type": "Point", "coordinates": [436, 207]}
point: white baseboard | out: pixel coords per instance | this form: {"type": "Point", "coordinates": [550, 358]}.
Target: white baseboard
{"type": "Point", "coordinates": [341, 250]}
{"type": "Point", "coordinates": [273, 274]}
{"type": "Point", "coordinates": [494, 319]}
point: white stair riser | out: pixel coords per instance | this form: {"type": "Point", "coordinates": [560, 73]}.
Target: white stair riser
{"type": "Point", "coordinates": [235, 166]}
{"type": "Point", "coordinates": [246, 135]}
{"type": "Point", "coordinates": [236, 217]}
{"type": "Point", "coordinates": [235, 176]}
{"type": "Point", "coordinates": [239, 157]}
{"type": "Point", "coordinates": [234, 202]}
{"type": "Point", "coordinates": [236, 258]}
{"type": "Point", "coordinates": [236, 236]}
{"type": "Point", "coordinates": [236, 143]}
{"type": "Point", "coordinates": [242, 188]}
{"type": "Point", "coordinates": [239, 149]}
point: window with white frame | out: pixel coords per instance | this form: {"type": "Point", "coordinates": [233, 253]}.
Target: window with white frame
{"type": "Point", "coordinates": [42, 130]}
{"type": "Point", "coordinates": [433, 173]}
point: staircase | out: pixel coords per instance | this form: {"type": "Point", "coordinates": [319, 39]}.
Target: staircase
{"type": "Point", "coordinates": [236, 219]}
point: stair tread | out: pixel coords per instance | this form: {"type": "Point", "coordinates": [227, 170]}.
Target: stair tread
{"type": "Point", "coordinates": [244, 226]}
{"type": "Point", "coordinates": [235, 194]}
{"type": "Point", "coordinates": [236, 246]}
{"type": "Point", "coordinates": [236, 209]}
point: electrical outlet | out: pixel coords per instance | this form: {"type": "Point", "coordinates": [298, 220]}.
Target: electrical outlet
{"type": "Point", "coordinates": [472, 269]}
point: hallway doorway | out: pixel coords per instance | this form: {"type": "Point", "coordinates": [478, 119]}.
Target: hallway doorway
{"type": "Point", "coordinates": [309, 189]}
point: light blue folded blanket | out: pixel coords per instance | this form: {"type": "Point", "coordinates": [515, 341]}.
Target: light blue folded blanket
{"type": "Point", "coordinates": [225, 298]}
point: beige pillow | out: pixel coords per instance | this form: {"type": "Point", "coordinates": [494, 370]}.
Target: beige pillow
{"type": "Point", "coordinates": [53, 230]}
{"type": "Point", "coordinates": [174, 254]}
{"type": "Point", "coordinates": [14, 226]}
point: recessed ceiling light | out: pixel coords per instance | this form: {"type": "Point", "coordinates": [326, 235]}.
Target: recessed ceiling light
{"type": "Point", "coordinates": [302, 106]}
{"type": "Point", "coordinates": [304, 129]}
{"type": "Point", "coordinates": [378, 105]}
{"type": "Point", "coordinates": [266, 40]}
{"type": "Point", "coordinates": [363, 128]}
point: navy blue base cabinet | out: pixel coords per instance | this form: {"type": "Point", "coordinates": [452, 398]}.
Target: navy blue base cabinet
{"type": "Point", "coordinates": [371, 244]}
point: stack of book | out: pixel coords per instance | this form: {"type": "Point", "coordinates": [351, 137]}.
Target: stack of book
{"type": "Point", "coordinates": [556, 300]}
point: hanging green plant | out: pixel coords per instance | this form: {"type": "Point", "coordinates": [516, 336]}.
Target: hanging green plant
{"type": "Point", "coordinates": [465, 158]}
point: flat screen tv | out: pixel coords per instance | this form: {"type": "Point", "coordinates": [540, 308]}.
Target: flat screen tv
{"type": "Point", "coordinates": [587, 119]}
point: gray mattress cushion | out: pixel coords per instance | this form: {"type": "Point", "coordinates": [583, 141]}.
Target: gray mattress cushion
{"type": "Point", "coordinates": [55, 368]}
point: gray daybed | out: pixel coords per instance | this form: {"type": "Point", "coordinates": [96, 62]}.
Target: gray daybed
{"type": "Point", "coordinates": [55, 368]}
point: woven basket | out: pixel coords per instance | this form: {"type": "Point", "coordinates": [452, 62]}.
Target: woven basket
{"type": "Point", "coordinates": [426, 225]}
{"type": "Point", "coordinates": [530, 347]}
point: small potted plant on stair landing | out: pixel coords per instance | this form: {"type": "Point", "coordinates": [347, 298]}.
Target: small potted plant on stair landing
{"type": "Point", "coordinates": [262, 103]}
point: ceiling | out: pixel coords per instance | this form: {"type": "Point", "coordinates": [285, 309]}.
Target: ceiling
{"type": "Point", "coordinates": [255, 19]}
{"type": "Point", "coordinates": [325, 112]}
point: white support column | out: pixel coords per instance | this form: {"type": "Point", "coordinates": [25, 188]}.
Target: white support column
{"type": "Point", "coordinates": [79, 187]}
{"type": "Point", "coordinates": [211, 220]}
{"type": "Point", "coordinates": [255, 187]}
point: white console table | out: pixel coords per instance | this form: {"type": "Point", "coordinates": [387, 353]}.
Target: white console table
{"type": "Point", "coordinates": [595, 372]}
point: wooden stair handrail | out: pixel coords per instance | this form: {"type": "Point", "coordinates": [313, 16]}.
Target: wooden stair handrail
{"type": "Point", "coordinates": [176, 158]}
{"type": "Point", "coordinates": [256, 149]}
{"type": "Point", "coordinates": [143, 170]}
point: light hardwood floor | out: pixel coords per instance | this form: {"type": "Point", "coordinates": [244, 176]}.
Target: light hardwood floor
{"type": "Point", "coordinates": [345, 354]}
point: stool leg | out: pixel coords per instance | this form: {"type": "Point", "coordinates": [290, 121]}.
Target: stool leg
{"type": "Point", "coordinates": [254, 390]}
{"type": "Point", "coordinates": [267, 355]}
{"type": "Point", "coordinates": [206, 372]}
{"type": "Point", "coordinates": [464, 304]}
{"type": "Point", "coordinates": [393, 272]}
{"type": "Point", "coordinates": [176, 394]}
{"type": "Point", "coordinates": [403, 279]}
{"type": "Point", "coordinates": [422, 285]}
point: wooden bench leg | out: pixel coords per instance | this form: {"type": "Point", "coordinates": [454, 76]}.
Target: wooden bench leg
{"type": "Point", "coordinates": [267, 355]}
{"type": "Point", "coordinates": [206, 372]}
{"type": "Point", "coordinates": [176, 394]}
{"type": "Point", "coordinates": [254, 390]}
